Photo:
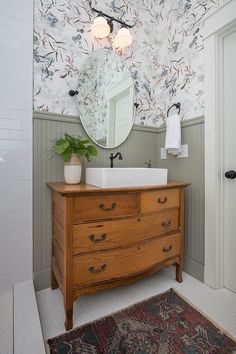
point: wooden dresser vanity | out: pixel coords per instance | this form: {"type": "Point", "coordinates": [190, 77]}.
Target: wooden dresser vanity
{"type": "Point", "coordinates": [103, 238]}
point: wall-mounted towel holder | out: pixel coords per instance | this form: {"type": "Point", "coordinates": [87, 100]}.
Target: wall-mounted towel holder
{"type": "Point", "coordinates": [177, 105]}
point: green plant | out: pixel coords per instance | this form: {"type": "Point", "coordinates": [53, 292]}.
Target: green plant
{"type": "Point", "coordinates": [67, 144]}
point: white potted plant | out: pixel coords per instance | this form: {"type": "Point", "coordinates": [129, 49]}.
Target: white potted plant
{"type": "Point", "coordinates": [70, 148]}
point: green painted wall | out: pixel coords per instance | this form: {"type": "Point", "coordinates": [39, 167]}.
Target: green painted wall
{"type": "Point", "coordinates": [142, 144]}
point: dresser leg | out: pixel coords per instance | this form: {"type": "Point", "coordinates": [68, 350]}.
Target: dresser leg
{"type": "Point", "coordinates": [69, 319]}
{"type": "Point", "coordinates": [68, 304]}
{"type": "Point", "coordinates": [54, 283]}
{"type": "Point", "coordinates": [179, 269]}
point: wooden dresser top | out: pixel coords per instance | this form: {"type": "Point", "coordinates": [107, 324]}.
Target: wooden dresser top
{"type": "Point", "coordinates": [67, 189]}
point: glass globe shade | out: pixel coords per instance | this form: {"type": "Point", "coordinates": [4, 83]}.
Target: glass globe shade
{"type": "Point", "coordinates": [123, 38]}
{"type": "Point", "coordinates": [100, 28]}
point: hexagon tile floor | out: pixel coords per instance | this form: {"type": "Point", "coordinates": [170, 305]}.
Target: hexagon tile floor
{"type": "Point", "coordinates": [218, 305]}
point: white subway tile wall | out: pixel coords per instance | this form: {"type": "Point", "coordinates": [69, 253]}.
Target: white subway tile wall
{"type": "Point", "coordinates": [16, 48]}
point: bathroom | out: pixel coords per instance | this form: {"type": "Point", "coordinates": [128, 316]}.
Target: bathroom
{"type": "Point", "coordinates": [153, 209]}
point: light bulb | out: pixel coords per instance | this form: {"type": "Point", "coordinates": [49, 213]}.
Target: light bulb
{"type": "Point", "coordinates": [100, 28]}
{"type": "Point", "coordinates": [123, 38]}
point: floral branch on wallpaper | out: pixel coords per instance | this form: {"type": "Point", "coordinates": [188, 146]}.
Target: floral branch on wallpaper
{"type": "Point", "coordinates": [165, 59]}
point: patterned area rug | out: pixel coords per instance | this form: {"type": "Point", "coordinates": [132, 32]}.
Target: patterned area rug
{"type": "Point", "coordinates": [164, 324]}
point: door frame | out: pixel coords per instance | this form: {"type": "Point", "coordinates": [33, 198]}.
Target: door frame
{"type": "Point", "coordinates": [217, 26]}
{"type": "Point", "coordinates": [116, 92]}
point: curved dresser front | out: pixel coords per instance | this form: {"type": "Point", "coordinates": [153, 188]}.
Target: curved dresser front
{"type": "Point", "coordinates": [104, 238]}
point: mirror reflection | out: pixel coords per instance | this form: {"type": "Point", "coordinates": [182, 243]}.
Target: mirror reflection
{"type": "Point", "coordinates": [106, 98]}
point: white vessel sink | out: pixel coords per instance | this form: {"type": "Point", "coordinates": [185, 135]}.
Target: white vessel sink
{"type": "Point", "coordinates": [126, 177]}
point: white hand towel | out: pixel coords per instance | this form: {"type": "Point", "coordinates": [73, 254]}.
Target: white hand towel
{"type": "Point", "coordinates": [173, 135]}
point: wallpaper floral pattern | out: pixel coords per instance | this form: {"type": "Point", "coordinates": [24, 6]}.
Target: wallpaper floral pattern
{"type": "Point", "coordinates": [165, 59]}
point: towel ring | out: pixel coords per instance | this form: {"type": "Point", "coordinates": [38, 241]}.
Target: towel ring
{"type": "Point", "coordinates": [177, 105]}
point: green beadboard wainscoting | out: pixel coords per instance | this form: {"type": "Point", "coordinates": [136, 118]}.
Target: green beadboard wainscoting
{"type": "Point", "coordinates": [190, 169]}
{"type": "Point", "coordinates": [143, 144]}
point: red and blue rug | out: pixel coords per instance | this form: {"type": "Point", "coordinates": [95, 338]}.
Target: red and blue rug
{"type": "Point", "coordinates": [164, 324]}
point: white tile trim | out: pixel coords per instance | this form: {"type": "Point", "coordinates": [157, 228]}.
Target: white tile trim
{"type": "Point", "coordinates": [220, 18]}
{"type": "Point", "coordinates": [28, 337]}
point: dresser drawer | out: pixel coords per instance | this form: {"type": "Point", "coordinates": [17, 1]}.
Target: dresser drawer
{"type": "Point", "coordinates": [118, 233]}
{"type": "Point", "coordinates": [101, 207]}
{"type": "Point", "coordinates": [159, 200]}
{"type": "Point", "coordinates": [107, 265]}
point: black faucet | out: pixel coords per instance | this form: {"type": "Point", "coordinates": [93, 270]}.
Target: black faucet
{"type": "Point", "coordinates": [112, 157]}
{"type": "Point", "coordinates": [149, 164]}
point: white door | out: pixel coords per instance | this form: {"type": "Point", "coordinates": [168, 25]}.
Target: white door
{"type": "Point", "coordinates": [229, 117]}
{"type": "Point", "coordinates": [121, 109]}
{"type": "Point", "coordinates": [124, 116]}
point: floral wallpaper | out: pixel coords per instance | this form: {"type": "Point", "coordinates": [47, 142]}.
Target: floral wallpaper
{"type": "Point", "coordinates": [165, 59]}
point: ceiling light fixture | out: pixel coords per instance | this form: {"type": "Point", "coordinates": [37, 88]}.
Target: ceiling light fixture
{"type": "Point", "coordinates": [103, 26]}
{"type": "Point", "coordinates": [100, 28]}
{"type": "Point", "coordinates": [123, 39]}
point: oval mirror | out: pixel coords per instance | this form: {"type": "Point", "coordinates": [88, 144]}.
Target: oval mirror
{"type": "Point", "coordinates": [106, 98]}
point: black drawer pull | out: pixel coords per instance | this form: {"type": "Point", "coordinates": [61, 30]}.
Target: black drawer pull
{"type": "Point", "coordinates": [167, 248]}
{"type": "Point", "coordinates": [166, 223]}
{"type": "Point", "coordinates": [103, 207]}
{"type": "Point", "coordinates": [94, 239]}
{"type": "Point", "coordinates": [97, 270]}
{"type": "Point", "coordinates": [162, 201]}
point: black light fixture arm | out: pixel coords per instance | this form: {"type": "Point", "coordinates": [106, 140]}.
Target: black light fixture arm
{"type": "Point", "coordinates": [111, 18]}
